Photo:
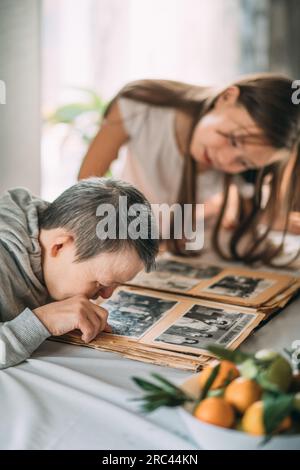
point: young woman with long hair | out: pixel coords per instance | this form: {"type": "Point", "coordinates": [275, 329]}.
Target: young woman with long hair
{"type": "Point", "coordinates": [189, 144]}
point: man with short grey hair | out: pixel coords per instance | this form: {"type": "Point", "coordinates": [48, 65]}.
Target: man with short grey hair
{"type": "Point", "coordinates": [53, 261]}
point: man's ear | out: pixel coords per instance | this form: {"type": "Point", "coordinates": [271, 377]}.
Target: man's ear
{"type": "Point", "coordinates": [228, 97]}
{"type": "Point", "coordinates": [59, 243]}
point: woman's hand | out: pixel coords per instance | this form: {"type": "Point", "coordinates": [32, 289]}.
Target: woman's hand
{"type": "Point", "coordinates": [229, 223]}
{"type": "Point", "coordinates": [213, 207]}
{"type": "Point", "coordinates": [293, 223]}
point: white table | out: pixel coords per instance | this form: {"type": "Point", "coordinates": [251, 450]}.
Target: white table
{"type": "Point", "coordinates": [70, 397]}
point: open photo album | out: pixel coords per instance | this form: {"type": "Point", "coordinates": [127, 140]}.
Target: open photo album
{"type": "Point", "coordinates": [171, 315]}
{"type": "Point", "coordinates": [225, 284]}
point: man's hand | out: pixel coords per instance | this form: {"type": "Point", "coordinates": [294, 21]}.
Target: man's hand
{"type": "Point", "coordinates": [75, 313]}
{"type": "Point", "coordinates": [229, 223]}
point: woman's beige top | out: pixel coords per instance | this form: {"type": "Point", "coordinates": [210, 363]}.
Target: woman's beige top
{"type": "Point", "coordinates": [152, 161]}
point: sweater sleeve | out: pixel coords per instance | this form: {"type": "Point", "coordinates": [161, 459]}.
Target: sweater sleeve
{"type": "Point", "coordinates": [134, 115]}
{"type": "Point", "coordinates": [20, 337]}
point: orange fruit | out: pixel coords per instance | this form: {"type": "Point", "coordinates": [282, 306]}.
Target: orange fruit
{"type": "Point", "coordinates": [242, 392]}
{"type": "Point", "coordinates": [215, 410]}
{"type": "Point", "coordinates": [227, 371]}
{"type": "Point", "coordinates": [253, 423]}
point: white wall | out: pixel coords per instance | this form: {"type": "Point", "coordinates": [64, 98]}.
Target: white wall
{"type": "Point", "coordinates": [102, 44]}
{"type": "Point", "coordinates": [20, 116]}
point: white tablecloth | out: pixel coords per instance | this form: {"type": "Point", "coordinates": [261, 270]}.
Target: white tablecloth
{"type": "Point", "coordinates": [71, 397]}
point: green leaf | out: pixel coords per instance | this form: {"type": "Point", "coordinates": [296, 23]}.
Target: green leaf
{"type": "Point", "coordinates": [266, 385]}
{"type": "Point", "coordinates": [210, 381]}
{"type": "Point", "coordinates": [219, 392]}
{"type": "Point", "coordinates": [249, 369]}
{"type": "Point", "coordinates": [166, 394]}
{"type": "Point", "coordinates": [276, 408]}
{"type": "Point", "coordinates": [153, 396]}
{"type": "Point", "coordinates": [145, 385]}
{"type": "Point", "coordinates": [166, 384]}
{"type": "Point", "coordinates": [68, 113]}
{"type": "Point", "coordinates": [207, 385]}
{"type": "Point", "coordinates": [155, 400]}
{"type": "Point", "coordinates": [265, 440]}
{"type": "Point", "coordinates": [289, 352]}
{"type": "Point", "coordinates": [279, 373]}
{"type": "Point", "coordinates": [150, 406]}
{"type": "Point", "coordinates": [92, 94]}
{"type": "Point", "coordinates": [234, 356]}
{"type": "Point", "coordinates": [229, 378]}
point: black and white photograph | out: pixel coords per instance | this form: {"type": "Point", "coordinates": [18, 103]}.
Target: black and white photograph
{"type": "Point", "coordinates": [133, 314]}
{"type": "Point", "coordinates": [240, 286]}
{"type": "Point", "coordinates": [185, 269]}
{"type": "Point", "coordinates": [164, 280]}
{"type": "Point", "coordinates": [174, 276]}
{"type": "Point", "coordinates": [201, 326]}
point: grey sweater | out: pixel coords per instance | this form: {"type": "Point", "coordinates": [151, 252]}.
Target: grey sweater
{"type": "Point", "coordinates": [21, 278]}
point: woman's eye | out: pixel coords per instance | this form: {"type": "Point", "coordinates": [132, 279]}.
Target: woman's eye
{"type": "Point", "coordinates": [244, 164]}
{"type": "Point", "coordinates": [233, 141]}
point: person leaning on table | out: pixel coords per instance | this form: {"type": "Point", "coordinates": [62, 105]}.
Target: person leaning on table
{"type": "Point", "coordinates": [52, 263]}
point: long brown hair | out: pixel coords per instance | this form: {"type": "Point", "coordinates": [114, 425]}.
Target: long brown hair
{"type": "Point", "coordinates": [267, 98]}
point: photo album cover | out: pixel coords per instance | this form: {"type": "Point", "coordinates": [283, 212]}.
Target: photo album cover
{"type": "Point", "coordinates": [171, 315]}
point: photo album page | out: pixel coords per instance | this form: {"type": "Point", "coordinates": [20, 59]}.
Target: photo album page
{"type": "Point", "coordinates": [168, 322]}
{"type": "Point", "coordinates": [224, 284]}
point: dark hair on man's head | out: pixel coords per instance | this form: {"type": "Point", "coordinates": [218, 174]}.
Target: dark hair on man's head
{"type": "Point", "coordinates": [77, 209]}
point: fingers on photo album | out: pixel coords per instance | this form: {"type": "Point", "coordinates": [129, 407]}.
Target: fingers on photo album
{"type": "Point", "coordinates": [172, 315]}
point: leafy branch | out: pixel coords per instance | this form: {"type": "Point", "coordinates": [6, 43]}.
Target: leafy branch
{"type": "Point", "coordinates": [163, 394]}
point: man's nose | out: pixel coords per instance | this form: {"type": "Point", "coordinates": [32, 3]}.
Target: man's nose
{"type": "Point", "coordinates": [107, 292]}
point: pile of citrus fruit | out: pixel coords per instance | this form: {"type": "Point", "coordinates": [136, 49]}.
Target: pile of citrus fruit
{"type": "Point", "coordinates": [257, 394]}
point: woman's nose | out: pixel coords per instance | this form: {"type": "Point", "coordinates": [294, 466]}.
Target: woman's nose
{"type": "Point", "coordinates": [225, 159]}
{"type": "Point", "coordinates": [233, 156]}
{"type": "Point", "coordinates": [231, 160]}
